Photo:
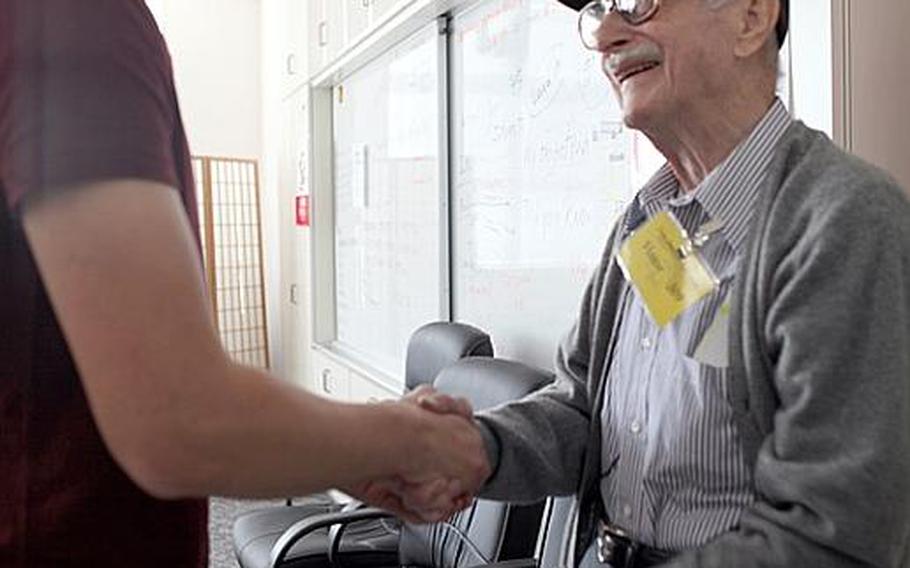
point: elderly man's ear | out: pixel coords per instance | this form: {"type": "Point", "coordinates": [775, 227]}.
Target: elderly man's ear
{"type": "Point", "coordinates": [757, 22]}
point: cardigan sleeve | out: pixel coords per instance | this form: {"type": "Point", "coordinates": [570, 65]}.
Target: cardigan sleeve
{"type": "Point", "coordinates": [537, 445]}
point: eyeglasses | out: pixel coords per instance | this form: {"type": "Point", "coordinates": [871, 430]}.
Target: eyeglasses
{"type": "Point", "coordinates": [591, 17]}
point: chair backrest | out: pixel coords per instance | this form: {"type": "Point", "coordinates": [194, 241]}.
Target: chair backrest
{"type": "Point", "coordinates": [499, 531]}
{"type": "Point", "coordinates": [435, 345]}
{"type": "Point", "coordinates": [430, 348]}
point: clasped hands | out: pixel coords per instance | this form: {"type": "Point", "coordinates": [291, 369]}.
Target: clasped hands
{"type": "Point", "coordinates": [448, 462]}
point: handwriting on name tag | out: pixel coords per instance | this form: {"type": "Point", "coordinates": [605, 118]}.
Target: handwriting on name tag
{"type": "Point", "coordinates": [667, 281]}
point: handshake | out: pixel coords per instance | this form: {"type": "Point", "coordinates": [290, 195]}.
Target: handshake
{"type": "Point", "coordinates": [437, 456]}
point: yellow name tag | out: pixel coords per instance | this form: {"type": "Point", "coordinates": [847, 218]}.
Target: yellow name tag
{"type": "Point", "coordinates": [667, 280]}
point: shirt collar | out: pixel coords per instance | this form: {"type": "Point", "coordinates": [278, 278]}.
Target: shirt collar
{"type": "Point", "coordinates": [662, 187]}
{"type": "Point", "coordinates": [730, 191]}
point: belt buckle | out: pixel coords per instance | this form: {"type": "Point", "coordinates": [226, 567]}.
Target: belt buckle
{"type": "Point", "coordinates": [614, 546]}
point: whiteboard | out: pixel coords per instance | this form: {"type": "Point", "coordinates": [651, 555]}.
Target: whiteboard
{"type": "Point", "coordinates": [541, 168]}
{"type": "Point", "coordinates": [388, 221]}
{"type": "Point", "coordinates": [539, 165]}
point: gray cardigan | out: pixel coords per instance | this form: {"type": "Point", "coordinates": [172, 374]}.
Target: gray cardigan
{"type": "Point", "coordinates": [820, 364]}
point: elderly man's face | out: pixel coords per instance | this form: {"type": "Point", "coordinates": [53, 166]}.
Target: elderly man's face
{"type": "Point", "coordinates": [675, 63]}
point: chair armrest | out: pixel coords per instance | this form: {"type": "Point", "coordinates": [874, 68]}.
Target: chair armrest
{"type": "Point", "coordinates": [516, 563]}
{"type": "Point", "coordinates": [305, 526]}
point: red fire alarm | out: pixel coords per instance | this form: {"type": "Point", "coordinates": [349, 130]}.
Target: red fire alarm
{"type": "Point", "coordinates": [302, 210]}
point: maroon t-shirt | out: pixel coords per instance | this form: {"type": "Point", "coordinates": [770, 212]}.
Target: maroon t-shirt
{"type": "Point", "coordinates": [86, 93]}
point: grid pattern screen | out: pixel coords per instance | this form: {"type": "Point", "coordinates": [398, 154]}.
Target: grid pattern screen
{"type": "Point", "coordinates": [229, 222]}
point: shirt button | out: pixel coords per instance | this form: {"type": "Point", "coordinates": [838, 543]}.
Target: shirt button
{"type": "Point", "coordinates": [627, 511]}
{"type": "Point", "coordinates": [646, 343]}
{"type": "Point", "coordinates": [635, 427]}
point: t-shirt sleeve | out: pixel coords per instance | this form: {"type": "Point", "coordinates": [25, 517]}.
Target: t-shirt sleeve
{"type": "Point", "coordinates": [86, 94]}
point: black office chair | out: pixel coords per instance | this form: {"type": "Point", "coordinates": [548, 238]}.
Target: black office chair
{"type": "Point", "coordinates": [488, 531]}
{"type": "Point", "coordinates": [430, 348]}
{"type": "Point", "coordinates": [550, 540]}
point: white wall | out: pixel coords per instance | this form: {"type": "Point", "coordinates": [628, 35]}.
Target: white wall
{"type": "Point", "coordinates": [268, 178]}
{"type": "Point", "coordinates": [811, 66]}
{"type": "Point", "coordinates": [271, 27]}
{"type": "Point", "coordinates": [878, 124]}
{"type": "Point", "coordinates": [216, 48]}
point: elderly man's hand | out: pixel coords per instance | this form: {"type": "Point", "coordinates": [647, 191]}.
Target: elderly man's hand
{"type": "Point", "coordinates": [439, 498]}
{"type": "Point", "coordinates": [422, 493]}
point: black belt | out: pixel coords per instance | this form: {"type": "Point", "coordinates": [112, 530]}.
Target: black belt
{"type": "Point", "coordinates": [616, 549]}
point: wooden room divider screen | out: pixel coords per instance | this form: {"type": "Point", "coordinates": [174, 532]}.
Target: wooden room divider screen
{"type": "Point", "coordinates": [227, 191]}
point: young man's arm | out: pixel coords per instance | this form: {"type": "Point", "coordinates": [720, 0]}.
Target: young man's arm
{"type": "Point", "coordinates": [120, 265]}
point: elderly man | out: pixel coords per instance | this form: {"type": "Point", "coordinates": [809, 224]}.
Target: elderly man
{"type": "Point", "coordinates": [784, 441]}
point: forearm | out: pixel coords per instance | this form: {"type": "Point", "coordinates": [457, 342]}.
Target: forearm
{"type": "Point", "coordinates": [258, 436]}
{"type": "Point", "coordinates": [121, 270]}
{"type": "Point", "coordinates": [545, 433]}
{"type": "Point", "coordinates": [538, 435]}
{"type": "Point", "coordinates": [752, 546]}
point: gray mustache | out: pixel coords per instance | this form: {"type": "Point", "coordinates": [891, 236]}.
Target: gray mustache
{"type": "Point", "coordinates": [639, 53]}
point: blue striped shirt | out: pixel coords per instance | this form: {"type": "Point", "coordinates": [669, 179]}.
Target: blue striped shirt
{"type": "Point", "coordinates": [677, 472]}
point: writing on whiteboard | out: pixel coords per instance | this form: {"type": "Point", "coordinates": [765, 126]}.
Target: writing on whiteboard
{"type": "Point", "coordinates": [542, 168]}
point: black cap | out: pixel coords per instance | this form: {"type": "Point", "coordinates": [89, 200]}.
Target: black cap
{"type": "Point", "coordinates": [783, 21]}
